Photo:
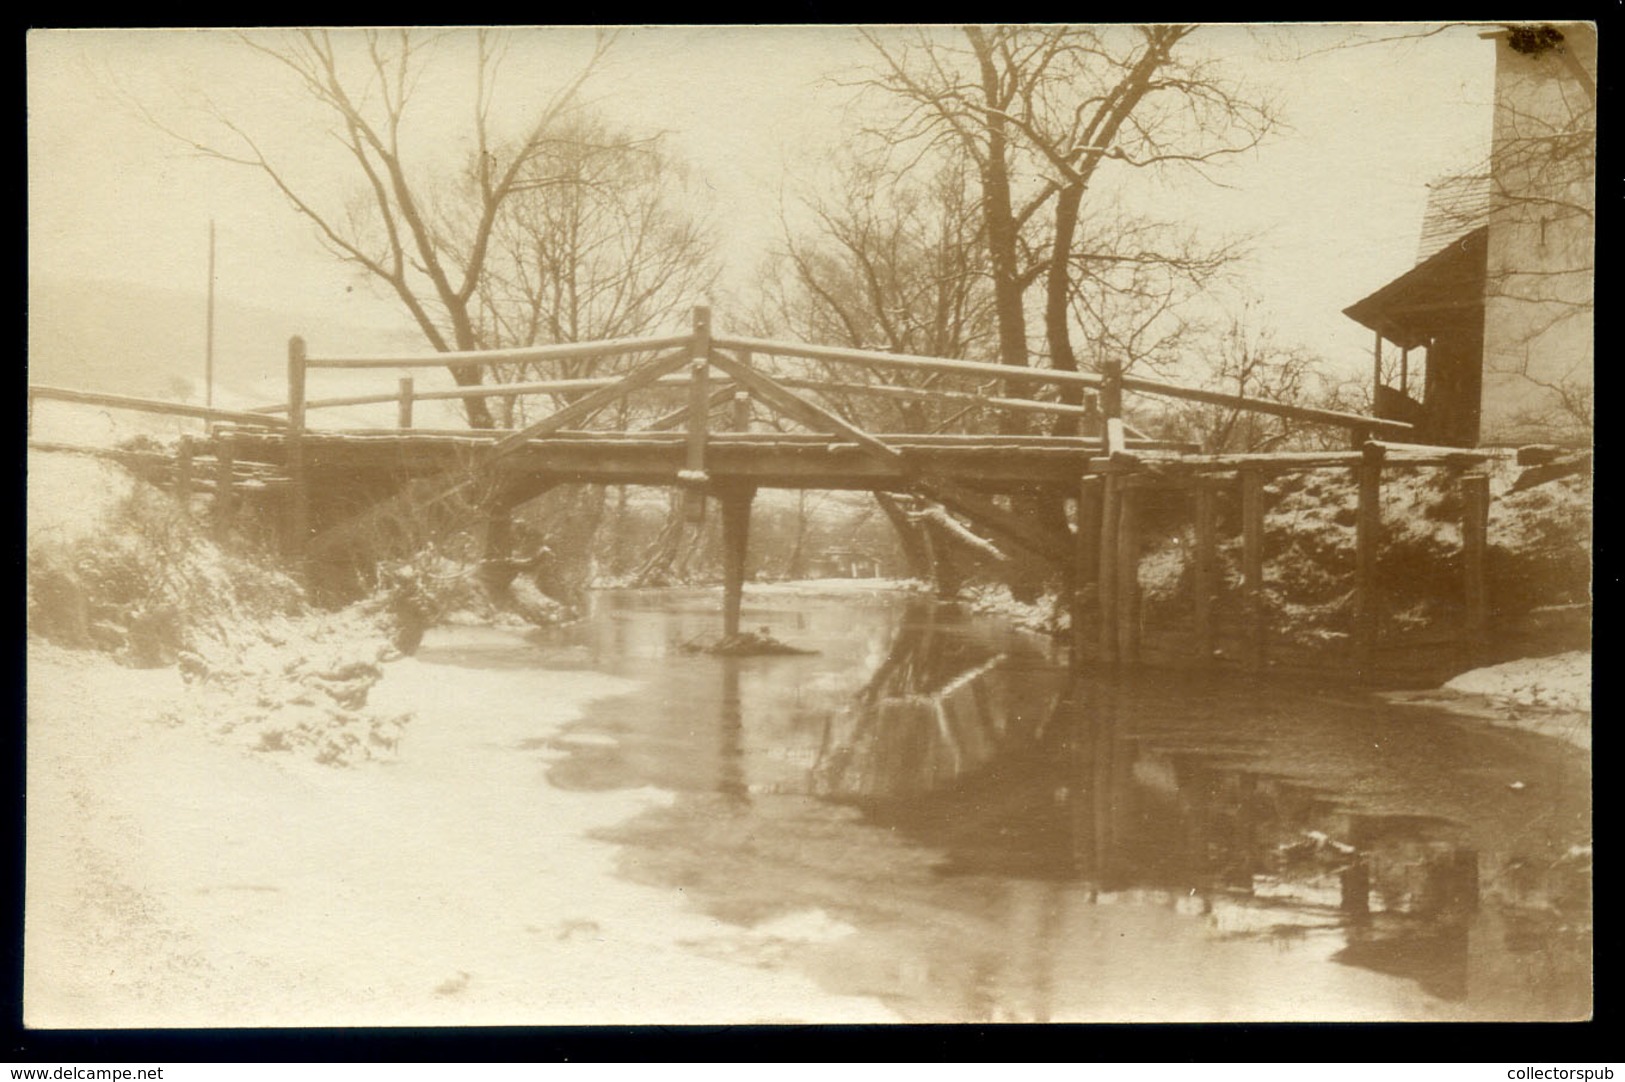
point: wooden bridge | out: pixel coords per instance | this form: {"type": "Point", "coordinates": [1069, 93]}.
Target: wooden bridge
{"type": "Point", "coordinates": [727, 439]}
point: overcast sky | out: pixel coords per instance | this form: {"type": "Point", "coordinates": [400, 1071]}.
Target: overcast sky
{"type": "Point", "coordinates": [1335, 199]}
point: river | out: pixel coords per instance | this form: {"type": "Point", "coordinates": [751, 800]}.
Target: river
{"type": "Point", "coordinates": [928, 811]}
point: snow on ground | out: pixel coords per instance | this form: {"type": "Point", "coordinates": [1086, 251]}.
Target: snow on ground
{"type": "Point", "coordinates": [1546, 695]}
{"type": "Point", "coordinates": [1559, 682]}
{"type": "Point", "coordinates": [178, 881]}
{"type": "Point", "coordinates": [832, 587]}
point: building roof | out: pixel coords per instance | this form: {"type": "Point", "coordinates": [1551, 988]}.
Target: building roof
{"type": "Point", "coordinates": [1456, 205]}
{"type": "Point", "coordinates": [1433, 295]}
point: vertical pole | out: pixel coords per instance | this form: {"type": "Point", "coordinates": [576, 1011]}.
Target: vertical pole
{"type": "Point", "coordinates": [1405, 370]}
{"type": "Point", "coordinates": [1088, 559]}
{"type": "Point", "coordinates": [1367, 533]}
{"type": "Point", "coordinates": [741, 412]}
{"type": "Point", "coordinates": [299, 496]}
{"type": "Point", "coordinates": [1376, 369]}
{"type": "Point", "coordinates": [1111, 405]}
{"type": "Point", "coordinates": [1128, 573]}
{"type": "Point", "coordinates": [698, 415]}
{"type": "Point", "coordinates": [1252, 561]}
{"type": "Point", "coordinates": [1110, 510]}
{"type": "Point", "coordinates": [183, 474]}
{"type": "Point", "coordinates": [1204, 572]}
{"type": "Point", "coordinates": [1475, 530]}
{"type": "Point", "coordinates": [225, 455]}
{"type": "Point", "coordinates": [403, 410]}
{"type": "Point", "coordinates": [736, 502]}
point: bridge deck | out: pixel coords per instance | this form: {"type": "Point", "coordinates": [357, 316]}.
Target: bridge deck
{"type": "Point", "coordinates": [765, 459]}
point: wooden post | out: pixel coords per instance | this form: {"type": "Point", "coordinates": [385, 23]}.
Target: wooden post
{"type": "Point", "coordinates": [1088, 559]}
{"type": "Point", "coordinates": [1404, 370]}
{"type": "Point", "coordinates": [183, 474]}
{"type": "Point", "coordinates": [699, 408]}
{"type": "Point", "coordinates": [1111, 406]}
{"type": "Point", "coordinates": [298, 494]}
{"type": "Point", "coordinates": [735, 502]}
{"type": "Point", "coordinates": [225, 455]}
{"type": "Point", "coordinates": [1204, 577]}
{"type": "Point", "coordinates": [1128, 574]}
{"type": "Point", "coordinates": [1376, 370]}
{"type": "Point", "coordinates": [1475, 529]}
{"type": "Point", "coordinates": [1367, 535]}
{"type": "Point", "coordinates": [1110, 510]}
{"type": "Point", "coordinates": [1252, 564]}
{"type": "Point", "coordinates": [698, 415]}
{"type": "Point", "coordinates": [741, 412]}
{"type": "Point", "coordinates": [403, 411]}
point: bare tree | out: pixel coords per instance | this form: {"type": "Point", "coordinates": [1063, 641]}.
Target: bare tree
{"type": "Point", "coordinates": [1038, 111]}
{"type": "Point", "coordinates": [1246, 357]}
{"type": "Point", "coordinates": [393, 228]}
{"type": "Point", "coordinates": [598, 241]}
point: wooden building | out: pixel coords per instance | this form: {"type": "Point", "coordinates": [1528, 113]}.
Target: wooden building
{"type": "Point", "coordinates": [1494, 323]}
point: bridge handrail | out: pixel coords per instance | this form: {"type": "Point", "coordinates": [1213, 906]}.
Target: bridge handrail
{"type": "Point", "coordinates": [153, 405]}
{"type": "Point", "coordinates": [1360, 423]}
{"type": "Point", "coordinates": [562, 351]}
{"type": "Point", "coordinates": [1339, 418]}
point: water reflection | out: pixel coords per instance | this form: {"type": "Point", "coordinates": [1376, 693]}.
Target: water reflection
{"type": "Point", "coordinates": [1007, 842]}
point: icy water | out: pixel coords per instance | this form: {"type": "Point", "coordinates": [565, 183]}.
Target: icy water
{"type": "Point", "coordinates": [931, 812]}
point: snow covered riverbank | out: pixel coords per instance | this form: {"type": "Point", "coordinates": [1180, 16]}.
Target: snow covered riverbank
{"type": "Point", "coordinates": [1549, 695]}
{"type": "Point", "coordinates": [176, 880]}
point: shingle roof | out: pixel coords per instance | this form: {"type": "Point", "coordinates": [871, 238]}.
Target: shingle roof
{"type": "Point", "coordinates": [1456, 206]}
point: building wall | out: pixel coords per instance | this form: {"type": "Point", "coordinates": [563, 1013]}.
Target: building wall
{"type": "Point", "coordinates": [1538, 347]}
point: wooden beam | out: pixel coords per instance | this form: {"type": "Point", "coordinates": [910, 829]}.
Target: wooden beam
{"type": "Point", "coordinates": [564, 351]}
{"type": "Point", "coordinates": [589, 404]}
{"type": "Point", "coordinates": [151, 405]}
{"type": "Point", "coordinates": [735, 500]}
{"type": "Point", "coordinates": [223, 506]}
{"type": "Point", "coordinates": [1111, 407]}
{"type": "Point", "coordinates": [1087, 566]}
{"type": "Point", "coordinates": [1128, 576]}
{"type": "Point", "coordinates": [403, 411]}
{"type": "Point", "coordinates": [1204, 569]}
{"type": "Point", "coordinates": [1053, 377]}
{"type": "Point", "coordinates": [183, 474]}
{"type": "Point", "coordinates": [1252, 563]}
{"type": "Point", "coordinates": [1475, 525]}
{"type": "Point", "coordinates": [1107, 592]}
{"type": "Point", "coordinates": [1367, 539]}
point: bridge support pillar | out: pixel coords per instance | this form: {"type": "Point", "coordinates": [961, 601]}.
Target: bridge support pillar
{"type": "Point", "coordinates": [735, 501]}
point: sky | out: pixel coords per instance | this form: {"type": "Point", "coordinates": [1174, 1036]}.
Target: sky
{"type": "Point", "coordinates": [1334, 201]}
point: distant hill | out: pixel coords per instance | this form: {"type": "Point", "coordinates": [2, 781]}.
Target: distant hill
{"type": "Point", "coordinates": [122, 338]}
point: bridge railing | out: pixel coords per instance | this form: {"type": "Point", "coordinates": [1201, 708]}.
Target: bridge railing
{"type": "Point", "coordinates": [1110, 385]}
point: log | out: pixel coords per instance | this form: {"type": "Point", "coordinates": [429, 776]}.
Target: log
{"type": "Point", "coordinates": [1204, 570]}
{"type": "Point", "coordinates": [1111, 508]}
{"type": "Point", "coordinates": [735, 502]}
{"type": "Point", "coordinates": [150, 405]}
{"type": "Point", "coordinates": [1252, 560]}
{"type": "Point", "coordinates": [1475, 524]}
{"type": "Point", "coordinates": [1367, 536]}
{"type": "Point", "coordinates": [1087, 568]}
{"type": "Point", "coordinates": [1128, 576]}
{"type": "Point", "coordinates": [487, 357]}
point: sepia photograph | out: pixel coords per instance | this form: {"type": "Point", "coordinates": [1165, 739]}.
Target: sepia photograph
{"type": "Point", "coordinates": [821, 525]}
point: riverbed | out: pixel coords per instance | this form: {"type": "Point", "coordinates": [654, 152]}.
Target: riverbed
{"type": "Point", "coordinates": [924, 819]}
